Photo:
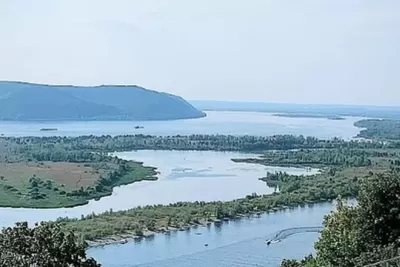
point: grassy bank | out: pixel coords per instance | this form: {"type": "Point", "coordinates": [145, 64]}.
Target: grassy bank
{"type": "Point", "coordinates": [48, 184]}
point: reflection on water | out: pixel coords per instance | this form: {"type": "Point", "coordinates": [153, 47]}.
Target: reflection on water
{"type": "Point", "coordinates": [216, 122]}
{"type": "Point", "coordinates": [235, 243]}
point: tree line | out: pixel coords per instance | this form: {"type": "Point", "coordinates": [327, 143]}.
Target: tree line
{"type": "Point", "coordinates": [84, 144]}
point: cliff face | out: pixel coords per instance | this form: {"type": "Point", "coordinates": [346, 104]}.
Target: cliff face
{"type": "Point", "coordinates": [26, 101]}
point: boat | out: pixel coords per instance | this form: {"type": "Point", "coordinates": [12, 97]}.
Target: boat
{"type": "Point", "coordinates": [48, 129]}
{"type": "Point", "coordinates": [138, 127]}
{"type": "Point", "coordinates": [124, 241]}
{"type": "Point", "coordinates": [272, 241]}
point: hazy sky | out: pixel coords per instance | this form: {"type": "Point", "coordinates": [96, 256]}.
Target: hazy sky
{"type": "Point", "coordinates": [309, 51]}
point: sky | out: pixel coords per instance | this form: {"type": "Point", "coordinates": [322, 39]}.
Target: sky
{"type": "Point", "coordinates": [309, 51]}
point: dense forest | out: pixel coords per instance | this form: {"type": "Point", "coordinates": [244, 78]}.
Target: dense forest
{"type": "Point", "coordinates": [107, 143]}
{"type": "Point", "coordinates": [320, 157]}
{"type": "Point", "coordinates": [43, 245]}
{"type": "Point", "coordinates": [379, 129]}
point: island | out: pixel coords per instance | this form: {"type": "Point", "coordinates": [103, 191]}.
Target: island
{"type": "Point", "coordinates": [48, 129]}
{"type": "Point", "coordinates": [311, 115]}
{"type": "Point", "coordinates": [22, 101]}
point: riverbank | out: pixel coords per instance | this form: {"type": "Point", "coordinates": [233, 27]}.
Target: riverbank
{"type": "Point", "coordinates": [229, 243]}
{"type": "Point", "coordinates": [61, 183]}
{"type": "Point", "coordinates": [131, 236]}
{"type": "Point", "coordinates": [116, 227]}
{"type": "Point", "coordinates": [343, 172]}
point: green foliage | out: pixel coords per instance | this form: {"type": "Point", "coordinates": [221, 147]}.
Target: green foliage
{"type": "Point", "coordinates": [379, 129]}
{"type": "Point", "coordinates": [79, 149]}
{"type": "Point", "coordinates": [363, 234]}
{"type": "Point", "coordinates": [308, 261]}
{"type": "Point", "coordinates": [44, 245]}
{"type": "Point", "coordinates": [379, 209]}
{"type": "Point", "coordinates": [106, 173]}
{"type": "Point", "coordinates": [308, 189]}
{"type": "Point", "coordinates": [345, 157]}
{"type": "Point", "coordinates": [337, 245]}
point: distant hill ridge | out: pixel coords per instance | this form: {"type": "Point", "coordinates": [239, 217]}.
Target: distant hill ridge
{"type": "Point", "coordinates": [29, 101]}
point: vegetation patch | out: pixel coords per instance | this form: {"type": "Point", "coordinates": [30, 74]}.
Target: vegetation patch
{"type": "Point", "coordinates": [45, 177]}
{"type": "Point", "coordinates": [379, 129]}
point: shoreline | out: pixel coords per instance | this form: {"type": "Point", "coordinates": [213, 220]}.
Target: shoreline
{"type": "Point", "coordinates": [127, 237]}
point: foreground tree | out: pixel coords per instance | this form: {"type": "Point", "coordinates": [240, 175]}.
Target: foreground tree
{"type": "Point", "coordinates": [379, 210]}
{"type": "Point", "coordinates": [45, 245]}
{"type": "Point", "coordinates": [337, 245]}
{"type": "Point", "coordinates": [364, 234]}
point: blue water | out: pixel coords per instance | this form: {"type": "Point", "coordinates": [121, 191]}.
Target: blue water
{"type": "Point", "coordinates": [190, 176]}
{"type": "Point", "coordinates": [216, 122]}
{"type": "Point", "coordinates": [234, 243]}
{"type": "Point", "coordinates": [182, 177]}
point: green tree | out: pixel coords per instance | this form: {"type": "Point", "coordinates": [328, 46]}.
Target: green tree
{"type": "Point", "coordinates": [379, 212]}
{"type": "Point", "coordinates": [45, 245]}
{"type": "Point", "coordinates": [367, 233]}
{"type": "Point", "coordinates": [337, 245]}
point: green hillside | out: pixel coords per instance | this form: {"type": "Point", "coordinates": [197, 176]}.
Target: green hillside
{"type": "Point", "coordinates": [26, 101]}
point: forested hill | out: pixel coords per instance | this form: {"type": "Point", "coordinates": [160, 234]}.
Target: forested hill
{"type": "Point", "coordinates": [27, 101]}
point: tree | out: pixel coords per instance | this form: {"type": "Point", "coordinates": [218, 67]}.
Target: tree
{"type": "Point", "coordinates": [368, 232]}
{"type": "Point", "coordinates": [337, 245]}
{"type": "Point", "coordinates": [363, 234]}
{"type": "Point", "coordinates": [379, 212]}
{"type": "Point", "coordinates": [45, 245]}
{"type": "Point", "coordinates": [308, 261]}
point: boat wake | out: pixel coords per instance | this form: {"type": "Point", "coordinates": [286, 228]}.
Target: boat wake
{"type": "Point", "coordinates": [232, 252]}
{"type": "Point", "coordinates": [292, 231]}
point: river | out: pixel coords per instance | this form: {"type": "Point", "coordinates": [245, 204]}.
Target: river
{"type": "Point", "coordinates": [216, 122]}
{"type": "Point", "coordinates": [191, 176]}
{"type": "Point", "coordinates": [237, 243]}
{"type": "Point", "coordinates": [184, 176]}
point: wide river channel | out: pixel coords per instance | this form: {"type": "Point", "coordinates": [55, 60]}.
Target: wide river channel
{"type": "Point", "coordinates": [191, 176]}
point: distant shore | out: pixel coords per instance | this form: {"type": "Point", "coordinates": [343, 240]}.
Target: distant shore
{"type": "Point", "coordinates": [313, 116]}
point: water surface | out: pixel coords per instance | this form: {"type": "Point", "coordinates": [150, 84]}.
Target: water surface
{"type": "Point", "coordinates": [184, 176]}
{"type": "Point", "coordinates": [236, 243]}
{"type": "Point", "coordinates": [216, 122]}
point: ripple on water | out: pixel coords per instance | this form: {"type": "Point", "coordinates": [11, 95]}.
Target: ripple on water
{"type": "Point", "coordinates": [247, 253]}
{"type": "Point", "coordinates": [234, 243]}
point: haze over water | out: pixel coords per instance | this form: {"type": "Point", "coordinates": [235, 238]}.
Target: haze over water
{"type": "Point", "coordinates": [216, 122]}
